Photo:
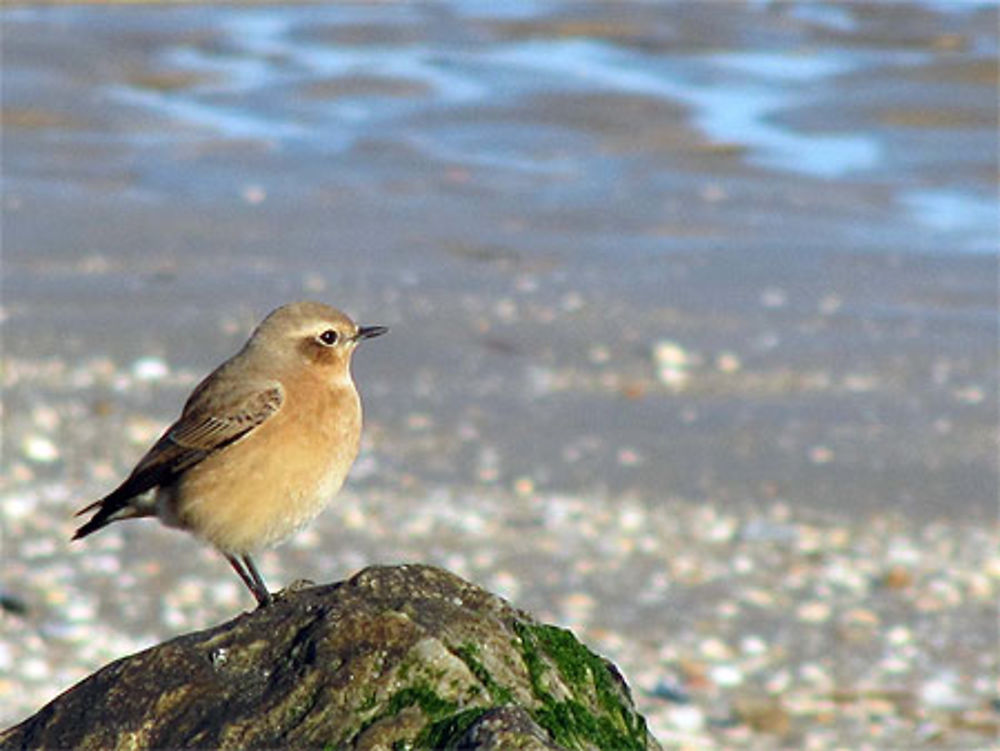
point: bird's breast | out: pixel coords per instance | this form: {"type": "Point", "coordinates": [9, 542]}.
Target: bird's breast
{"type": "Point", "coordinates": [261, 489]}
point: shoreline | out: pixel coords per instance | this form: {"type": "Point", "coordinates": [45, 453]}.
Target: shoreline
{"type": "Point", "coordinates": [775, 588]}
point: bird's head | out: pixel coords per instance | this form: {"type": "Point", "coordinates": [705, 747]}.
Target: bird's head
{"type": "Point", "coordinates": [319, 334]}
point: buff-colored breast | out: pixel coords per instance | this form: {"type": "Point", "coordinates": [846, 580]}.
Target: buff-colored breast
{"type": "Point", "coordinates": [263, 488]}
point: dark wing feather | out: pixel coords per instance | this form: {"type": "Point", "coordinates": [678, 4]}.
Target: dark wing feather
{"type": "Point", "coordinates": [204, 429]}
{"type": "Point", "coordinates": [206, 426]}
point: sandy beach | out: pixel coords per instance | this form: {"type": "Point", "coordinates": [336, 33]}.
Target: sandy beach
{"type": "Point", "coordinates": [693, 339]}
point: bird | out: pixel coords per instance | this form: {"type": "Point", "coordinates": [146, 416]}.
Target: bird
{"type": "Point", "coordinates": [261, 445]}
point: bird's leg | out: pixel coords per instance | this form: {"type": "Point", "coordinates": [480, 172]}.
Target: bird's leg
{"type": "Point", "coordinates": [251, 578]}
{"type": "Point", "coordinates": [261, 592]}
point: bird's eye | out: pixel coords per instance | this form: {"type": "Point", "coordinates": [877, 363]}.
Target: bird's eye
{"type": "Point", "coordinates": [329, 337]}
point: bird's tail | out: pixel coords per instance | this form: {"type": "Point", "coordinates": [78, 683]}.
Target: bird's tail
{"type": "Point", "coordinates": [111, 508]}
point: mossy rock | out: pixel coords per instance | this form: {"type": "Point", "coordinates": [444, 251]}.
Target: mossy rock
{"type": "Point", "coordinates": [400, 657]}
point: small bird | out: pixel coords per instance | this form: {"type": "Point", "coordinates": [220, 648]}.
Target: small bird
{"type": "Point", "coordinates": [261, 445]}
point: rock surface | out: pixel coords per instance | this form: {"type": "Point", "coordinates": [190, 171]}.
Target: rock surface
{"type": "Point", "coordinates": [395, 657]}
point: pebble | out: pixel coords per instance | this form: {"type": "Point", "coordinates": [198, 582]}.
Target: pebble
{"type": "Point", "coordinates": [773, 297]}
{"type": "Point", "coordinates": [673, 364]}
{"type": "Point", "coordinates": [45, 418]}
{"type": "Point", "coordinates": [813, 612]}
{"type": "Point", "coordinates": [173, 616]}
{"type": "Point", "coordinates": [19, 507]}
{"type": "Point", "coordinates": [39, 449]}
{"type": "Point", "coordinates": [894, 665]}
{"type": "Point", "coordinates": [81, 609]}
{"type": "Point", "coordinates": [779, 681]}
{"type": "Point", "coordinates": [846, 575]}
{"type": "Point", "coordinates": [731, 602]}
{"type": "Point", "coordinates": [940, 692]}
{"type": "Point", "coordinates": [970, 395]}
{"type": "Point", "coordinates": [686, 718]}
{"type": "Point", "coordinates": [577, 607]}
{"type": "Point", "coordinates": [599, 354]}
{"type": "Point", "coordinates": [727, 609]}
{"type": "Point", "coordinates": [765, 714]}
{"type": "Point", "coordinates": [571, 302]}
{"type": "Point", "coordinates": [726, 675]}
{"type": "Point", "coordinates": [821, 455]}
{"type": "Point", "coordinates": [744, 564]}
{"type": "Point", "coordinates": [897, 577]}
{"type": "Point", "coordinates": [524, 486]}
{"type": "Point", "coordinates": [253, 194]}
{"type": "Point", "coordinates": [861, 617]}
{"type": "Point", "coordinates": [631, 519]}
{"type": "Point", "coordinates": [762, 530]}
{"type": "Point", "coordinates": [670, 691]}
{"type": "Point", "coordinates": [714, 649]}
{"type": "Point", "coordinates": [148, 369]}
{"type": "Point", "coordinates": [721, 530]}
{"type": "Point", "coordinates": [992, 567]}
{"type": "Point", "coordinates": [629, 457]}
{"type": "Point", "coordinates": [33, 668]}
{"type": "Point", "coordinates": [752, 645]}
{"type": "Point", "coordinates": [899, 636]}
{"type": "Point", "coordinates": [39, 547]}
{"type": "Point", "coordinates": [506, 584]}
{"type": "Point", "coordinates": [980, 586]}
{"type": "Point", "coordinates": [830, 303]}
{"type": "Point", "coordinates": [727, 362]}
{"type": "Point", "coordinates": [141, 430]}
{"type": "Point", "coordinates": [816, 675]}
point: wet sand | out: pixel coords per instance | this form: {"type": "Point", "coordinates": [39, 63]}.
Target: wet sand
{"type": "Point", "coordinates": [750, 373]}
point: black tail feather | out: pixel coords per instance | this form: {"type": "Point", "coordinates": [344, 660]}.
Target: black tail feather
{"type": "Point", "coordinates": [108, 510]}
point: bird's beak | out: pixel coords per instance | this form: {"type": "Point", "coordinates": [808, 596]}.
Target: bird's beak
{"type": "Point", "coordinates": [368, 332]}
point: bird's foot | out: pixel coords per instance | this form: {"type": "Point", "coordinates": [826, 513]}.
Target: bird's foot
{"type": "Point", "coordinates": [264, 599]}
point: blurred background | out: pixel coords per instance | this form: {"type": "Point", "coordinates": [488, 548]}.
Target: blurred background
{"type": "Point", "coordinates": [693, 347]}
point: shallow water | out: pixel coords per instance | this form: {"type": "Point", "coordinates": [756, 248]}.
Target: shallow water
{"type": "Point", "coordinates": [538, 191]}
{"type": "Point", "coordinates": [852, 93]}
{"type": "Point", "coordinates": [731, 262]}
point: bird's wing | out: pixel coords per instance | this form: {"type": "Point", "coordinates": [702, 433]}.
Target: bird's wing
{"type": "Point", "coordinates": [206, 428]}
{"type": "Point", "coordinates": [207, 425]}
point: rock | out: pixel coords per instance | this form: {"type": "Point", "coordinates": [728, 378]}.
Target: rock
{"type": "Point", "coordinates": [765, 714]}
{"type": "Point", "coordinates": [395, 657]}
{"type": "Point", "coordinates": [506, 727]}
